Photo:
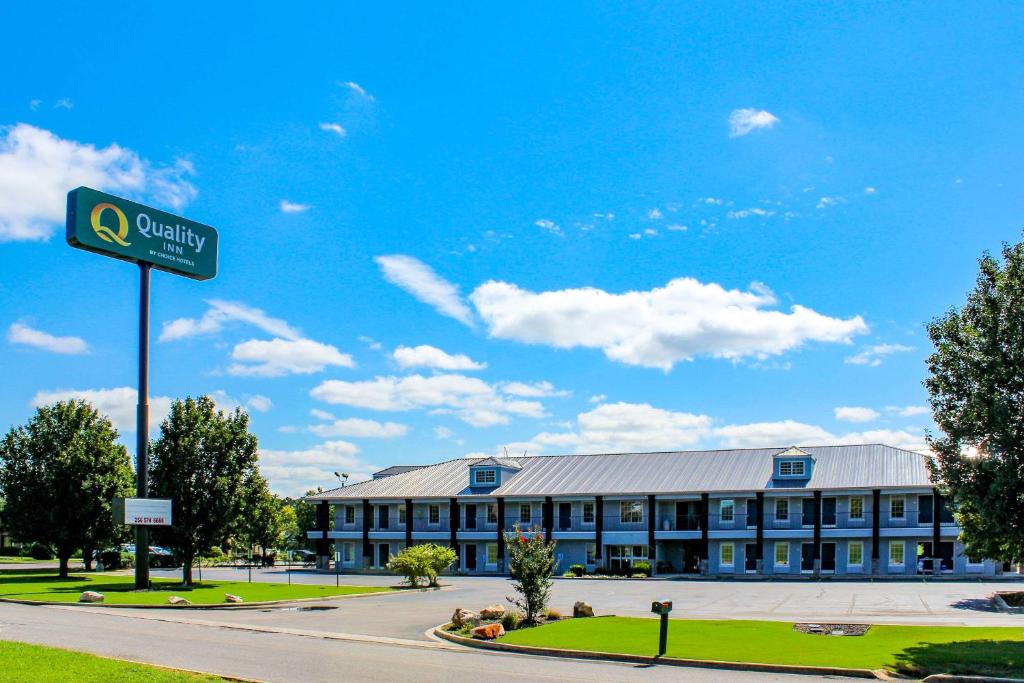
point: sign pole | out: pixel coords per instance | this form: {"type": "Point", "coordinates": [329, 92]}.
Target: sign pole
{"type": "Point", "coordinates": [142, 430]}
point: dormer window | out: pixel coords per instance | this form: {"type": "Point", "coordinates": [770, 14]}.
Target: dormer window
{"type": "Point", "coordinates": [485, 477]}
{"type": "Point", "coordinates": [791, 468]}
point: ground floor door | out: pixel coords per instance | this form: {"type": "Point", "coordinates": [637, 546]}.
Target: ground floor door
{"type": "Point", "coordinates": [807, 557]}
{"type": "Point", "coordinates": [383, 554]}
{"type": "Point", "coordinates": [470, 562]}
{"type": "Point", "coordinates": [828, 558]}
{"type": "Point", "coordinates": [691, 557]}
{"type": "Point", "coordinates": [925, 555]}
{"type": "Point", "coordinates": [750, 562]}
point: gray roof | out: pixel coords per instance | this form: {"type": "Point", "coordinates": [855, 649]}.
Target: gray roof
{"type": "Point", "coordinates": [836, 467]}
{"type": "Point", "coordinates": [397, 469]}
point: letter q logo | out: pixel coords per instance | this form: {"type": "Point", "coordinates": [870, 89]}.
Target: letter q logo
{"type": "Point", "coordinates": [105, 233]}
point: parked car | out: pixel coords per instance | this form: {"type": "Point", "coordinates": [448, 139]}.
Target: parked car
{"type": "Point", "coordinates": [159, 557]}
{"type": "Point", "coordinates": [304, 556]}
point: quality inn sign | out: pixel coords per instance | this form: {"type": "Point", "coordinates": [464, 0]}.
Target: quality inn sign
{"type": "Point", "coordinates": [116, 227]}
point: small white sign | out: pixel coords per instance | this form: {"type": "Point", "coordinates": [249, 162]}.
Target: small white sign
{"type": "Point", "coordinates": [147, 511]}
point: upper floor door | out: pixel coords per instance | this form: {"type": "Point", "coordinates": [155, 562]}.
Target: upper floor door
{"type": "Point", "coordinates": [470, 516]}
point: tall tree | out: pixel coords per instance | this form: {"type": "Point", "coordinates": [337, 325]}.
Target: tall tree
{"type": "Point", "coordinates": [263, 517]}
{"type": "Point", "coordinates": [58, 476]}
{"type": "Point", "coordinates": [977, 398]}
{"type": "Point", "coordinates": [305, 518]}
{"type": "Point", "coordinates": [201, 461]}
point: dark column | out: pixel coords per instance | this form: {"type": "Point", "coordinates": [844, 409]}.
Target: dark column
{"type": "Point", "coordinates": [705, 504]}
{"type": "Point", "coordinates": [408, 522]}
{"type": "Point", "coordinates": [598, 527]}
{"type": "Point", "coordinates": [936, 531]}
{"type": "Point", "coordinates": [453, 525]}
{"type": "Point", "coordinates": [323, 524]}
{"type": "Point", "coordinates": [760, 531]}
{"type": "Point", "coordinates": [817, 532]}
{"type": "Point", "coordinates": [876, 521]}
{"type": "Point", "coordinates": [367, 519]}
{"type": "Point", "coordinates": [548, 517]}
{"type": "Point", "coordinates": [652, 518]}
{"type": "Point", "coordinates": [501, 533]}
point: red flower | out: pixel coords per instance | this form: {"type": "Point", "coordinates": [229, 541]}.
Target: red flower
{"type": "Point", "coordinates": [522, 539]}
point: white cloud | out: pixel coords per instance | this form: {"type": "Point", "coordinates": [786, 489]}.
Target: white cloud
{"type": "Point", "coordinates": [855, 414]}
{"type": "Point", "coordinates": [772, 434]}
{"type": "Point", "coordinates": [870, 190]}
{"type": "Point", "coordinates": [277, 357]}
{"type": "Point", "coordinates": [37, 169]}
{"type": "Point", "coordinates": [422, 282]}
{"type": "Point", "coordinates": [743, 121]}
{"type": "Point", "coordinates": [357, 89]}
{"type": "Point", "coordinates": [635, 236]}
{"type": "Point", "coordinates": [335, 128]}
{"type": "Point", "coordinates": [746, 213]}
{"type": "Point", "coordinates": [659, 327]}
{"type": "Point", "coordinates": [321, 414]}
{"type": "Point", "coordinates": [650, 232]}
{"type": "Point", "coordinates": [597, 398]}
{"type": "Point", "coordinates": [826, 202]}
{"type": "Point", "coordinates": [359, 428]}
{"type": "Point", "coordinates": [259, 403]}
{"type": "Point", "coordinates": [908, 411]}
{"type": "Point", "coordinates": [222, 312]}
{"type": "Point", "coordinates": [443, 433]}
{"type": "Point", "coordinates": [425, 356]}
{"type": "Point", "coordinates": [468, 398]}
{"type": "Point", "coordinates": [293, 207]}
{"type": "Point", "coordinates": [64, 103]}
{"type": "Point", "coordinates": [292, 473]}
{"type": "Point", "coordinates": [548, 225]}
{"type": "Point", "coordinates": [872, 356]}
{"type": "Point", "coordinates": [371, 343]}
{"type": "Point", "coordinates": [119, 404]}
{"type": "Point", "coordinates": [711, 200]}
{"type": "Point", "coordinates": [533, 390]}
{"type": "Point", "coordinates": [20, 333]}
{"type": "Point", "coordinates": [655, 214]}
{"type": "Point", "coordinates": [34, 104]}
{"type": "Point", "coordinates": [677, 228]}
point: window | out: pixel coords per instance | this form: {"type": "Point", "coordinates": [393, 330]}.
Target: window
{"type": "Point", "coordinates": [588, 513]}
{"type": "Point", "coordinates": [782, 509]}
{"type": "Point", "coordinates": [855, 553]}
{"type": "Point", "coordinates": [590, 553]}
{"type": "Point", "coordinates": [525, 513]}
{"type": "Point", "coordinates": [896, 552]}
{"type": "Point", "coordinates": [856, 507]}
{"type": "Point", "coordinates": [350, 514]}
{"type": "Point", "coordinates": [727, 510]}
{"type": "Point", "coordinates": [631, 512]}
{"type": "Point", "coordinates": [791, 468]}
{"type": "Point", "coordinates": [492, 513]}
{"type": "Point", "coordinates": [346, 552]}
{"type": "Point", "coordinates": [897, 507]}
{"type": "Point", "coordinates": [782, 554]}
{"type": "Point", "coordinates": [485, 476]}
{"type": "Point", "coordinates": [726, 554]}
{"type": "Point", "coordinates": [623, 556]}
{"type": "Point", "coordinates": [401, 514]}
{"type": "Point", "coordinates": [434, 515]}
{"type": "Point", "coordinates": [492, 554]}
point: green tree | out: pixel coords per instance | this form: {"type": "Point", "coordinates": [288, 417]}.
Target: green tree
{"type": "Point", "coordinates": [202, 461]}
{"type": "Point", "coordinates": [262, 522]}
{"type": "Point", "coordinates": [58, 476]}
{"type": "Point", "coordinates": [531, 563]}
{"type": "Point", "coordinates": [976, 387]}
{"type": "Point", "coordinates": [423, 561]}
{"type": "Point", "coordinates": [305, 518]}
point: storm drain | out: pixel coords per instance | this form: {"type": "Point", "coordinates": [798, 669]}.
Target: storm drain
{"type": "Point", "coordinates": [309, 608]}
{"type": "Point", "coordinates": [832, 629]}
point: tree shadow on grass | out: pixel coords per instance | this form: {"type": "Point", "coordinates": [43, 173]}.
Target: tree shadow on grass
{"type": "Point", "coordinates": [1000, 658]}
{"type": "Point", "coordinates": [77, 584]}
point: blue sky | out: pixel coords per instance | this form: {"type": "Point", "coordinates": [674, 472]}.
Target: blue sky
{"type": "Point", "coordinates": [568, 228]}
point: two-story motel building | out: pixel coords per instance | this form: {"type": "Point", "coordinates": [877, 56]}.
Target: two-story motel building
{"type": "Point", "coordinates": [834, 510]}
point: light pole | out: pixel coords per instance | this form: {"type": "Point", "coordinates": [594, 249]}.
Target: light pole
{"type": "Point", "coordinates": [342, 477]}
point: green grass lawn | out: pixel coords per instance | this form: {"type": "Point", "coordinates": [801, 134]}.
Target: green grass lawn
{"type": "Point", "coordinates": [15, 559]}
{"type": "Point", "coordinates": [911, 649]}
{"type": "Point", "coordinates": [24, 663]}
{"type": "Point", "coordinates": [120, 589]}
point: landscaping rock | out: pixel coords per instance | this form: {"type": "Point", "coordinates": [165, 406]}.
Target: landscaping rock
{"type": "Point", "coordinates": [492, 613]}
{"type": "Point", "coordinates": [177, 600]}
{"type": "Point", "coordinates": [582, 609]}
{"type": "Point", "coordinates": [228, 597]}
{"type": "Point", "coordinates": [463, 617]}
{"type": "Point", "coordinates": [488, 631]}
{"type": "Point", "coordinates": [90, 596]}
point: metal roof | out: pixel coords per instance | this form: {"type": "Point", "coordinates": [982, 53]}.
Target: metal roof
{"type": "Point", "coordinates": [836, 467]}
{"type": "Point", "coordinates": [397, 469]}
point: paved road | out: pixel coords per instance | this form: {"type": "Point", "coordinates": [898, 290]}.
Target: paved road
{"type": "Point", "coordinates": [288, 657]}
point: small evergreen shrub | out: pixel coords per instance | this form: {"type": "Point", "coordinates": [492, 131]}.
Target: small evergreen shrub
{"type": "Point", "coordinates": [641, 568]}
{"type": "Point", "coordinates": [577, 570]}
{"type": "Point", "coordinates": [512, 619]}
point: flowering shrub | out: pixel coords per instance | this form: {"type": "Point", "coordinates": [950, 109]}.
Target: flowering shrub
{"type": "Point", "coordinates": [531, 563]}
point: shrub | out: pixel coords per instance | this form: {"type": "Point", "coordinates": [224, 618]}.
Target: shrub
{"type": "Point", "coordinates": [40, 551]}
{"type": "Point", "coordinates": [531, 564]}
{"type": "Point", "coordinates": [127, 560]}
{"type": "Point", "coordinates": [111, 559]}
{"type": "Point", "coordinates": [553, 615]}
{"type": "Point", "coordinates": [424, 561]}
{"type": "Point", "coordinates": [512, 619]}
{"type": "Point", "coordinates": [641, 568]}
{"type": "Point", "coordinates": [577, 570]}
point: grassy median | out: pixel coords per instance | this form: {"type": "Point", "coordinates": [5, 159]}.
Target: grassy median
{"type": "Point", "coordinates": [120, 589]}
{"type": "Point", "coordinates": [918, 650]}
{"type": "Point", "coordinates": [23, 663]}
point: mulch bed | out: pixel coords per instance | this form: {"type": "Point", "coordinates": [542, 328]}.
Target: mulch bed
{"type": "Point", "coordinates": [832, 629]}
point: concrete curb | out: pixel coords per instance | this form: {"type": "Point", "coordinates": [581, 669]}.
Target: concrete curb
{"type": "Point", "coordinates": [953, 678]}
{"type": "Point", "coordinates": [645, 659]}
{"type": "Point", "coordinates": [222, 606]}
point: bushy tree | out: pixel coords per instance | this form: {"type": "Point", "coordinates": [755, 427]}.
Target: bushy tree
{"type": "Point", "coordinates": [423, 561]}
{"type": "Point", "coordinates": [977, 397]}
{"type": "Point", "coordinates": [58, 476]}
{"type": "Point", "coordinates": [202, 461]}
{"type": "Point", "coordinates": [531, 564]}
{"type": "Point", "coordinates": [262, 519]}
{"type": "Point", "coordinates": [305, 518]}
